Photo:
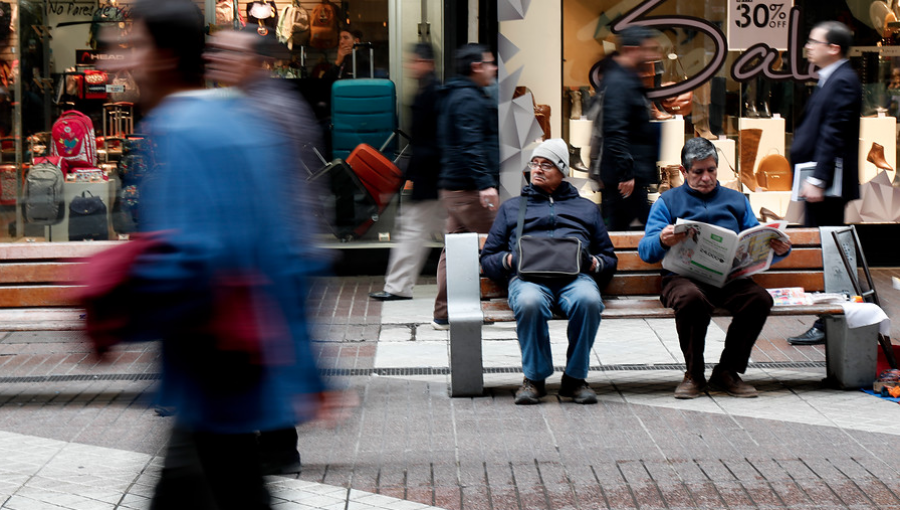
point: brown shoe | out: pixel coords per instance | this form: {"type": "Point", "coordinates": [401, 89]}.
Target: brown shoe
{"type": "Point", "coordinates": [689, 388]}
{"type": "Point", "coordinates": [731, 383]}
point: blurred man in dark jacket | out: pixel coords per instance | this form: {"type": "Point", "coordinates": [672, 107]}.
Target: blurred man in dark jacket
{"type": "Point", "coordinates": [423, 214]}
{"type": "Point", "coordinates": [470, 155]}
{"type": "Point", "coordinates": [630, 141]}
{"type": "Point", "coordinates": [553, 209]}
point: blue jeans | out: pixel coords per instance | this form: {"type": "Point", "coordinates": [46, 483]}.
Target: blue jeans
{"type": "Point", "coordinates": [533, 304]}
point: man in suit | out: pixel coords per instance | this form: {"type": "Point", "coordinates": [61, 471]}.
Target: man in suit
{"type": "Point", "coordinates": [828, 134]}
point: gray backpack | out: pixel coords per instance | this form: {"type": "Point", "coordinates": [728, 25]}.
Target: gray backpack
{"type": "Point", "coordinates": [44, 203]}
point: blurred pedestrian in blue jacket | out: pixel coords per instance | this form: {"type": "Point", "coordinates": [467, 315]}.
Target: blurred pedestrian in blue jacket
{"type": "Point", "coordinates": [226, 292]}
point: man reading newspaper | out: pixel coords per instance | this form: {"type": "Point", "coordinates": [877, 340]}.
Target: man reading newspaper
{"type": "Point", "coordinates": [702, 199]}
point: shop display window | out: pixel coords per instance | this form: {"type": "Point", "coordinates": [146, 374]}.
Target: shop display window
{"type": "Point", "coordinates": [51, 62]}
{"type": "Point", "coordinates": [755, 79]}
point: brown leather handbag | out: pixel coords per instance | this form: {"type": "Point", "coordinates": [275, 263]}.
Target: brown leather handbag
{"type": "Point", "coordinates": [774, 173]}
{"type": "Point", "coordinates": [683, 103]}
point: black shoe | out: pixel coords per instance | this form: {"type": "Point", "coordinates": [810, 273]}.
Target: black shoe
{"type": "Point", "coordinates": [530, 392]}
{"type": "Point", "coordinates": [387, 296]}
{"type": "Point", "coordinates": [813, 336]}
{"type": "Point", "coordinates": [274, 468]}
{"type": "Point", "coordinates": [578, 390]}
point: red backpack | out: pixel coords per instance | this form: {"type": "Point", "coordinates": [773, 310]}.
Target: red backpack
{"type": "Point", "coordinates": [73, 139]}
{"type": "Point", "coordinates": [323, 26]}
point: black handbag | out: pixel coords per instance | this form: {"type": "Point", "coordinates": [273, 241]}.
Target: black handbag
{"type": "Point", "coordinates": [543, 257]}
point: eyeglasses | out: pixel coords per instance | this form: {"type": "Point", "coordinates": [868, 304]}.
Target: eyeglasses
{"type": "Point", "coordinates": [813, 41]}
{"type": "Point", "coordinates": [489, 62]}
{"type": "Point", "coordinates": [543, 166]}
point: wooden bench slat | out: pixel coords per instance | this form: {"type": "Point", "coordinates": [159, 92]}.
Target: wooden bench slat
{"type": "Point", "coordinates": [37, 296]}
{"type": "Point", "coordinates": [800, 258]}
{"type": "Point", "coordinates": [39, 272]}
{"type": "Point", "coordinates": [53, 251]}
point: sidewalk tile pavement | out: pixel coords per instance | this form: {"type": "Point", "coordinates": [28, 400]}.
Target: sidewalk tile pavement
{"type": "Point", "coordinates": [78, 434]}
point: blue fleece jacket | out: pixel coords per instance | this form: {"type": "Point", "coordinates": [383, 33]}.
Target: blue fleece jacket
{"type": "Point", "coordinates": [225, 213]}
{"type": "Point", "coordinates": [722, 207]}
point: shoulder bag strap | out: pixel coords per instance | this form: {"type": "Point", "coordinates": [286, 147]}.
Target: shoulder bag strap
{"type": "Point", "coordinates": [523, 204]}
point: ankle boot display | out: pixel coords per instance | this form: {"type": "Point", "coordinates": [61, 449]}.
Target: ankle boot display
{"type": "Point", "coordinates": [575, 98]}
{"type": "Point", "coordinates": [575, 159]}
{"type": "Point", "coordinates": [876, 157]}
{"type": "Point", "coordinates": [663, 180]}
{"type": "Point", "coordinates": [749, 148]}
{"type": "Point", "coordinates": [674, 174]}
{"type": "Point", "coordinates": [585, 98]}
{"type": "Point", "coordinates": [658, 113]}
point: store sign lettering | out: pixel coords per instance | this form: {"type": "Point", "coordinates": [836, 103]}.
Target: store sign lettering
{"type": "Point", "coordinates": [744, 67]}
{"type": "Point", "coordinates": [75, 8]}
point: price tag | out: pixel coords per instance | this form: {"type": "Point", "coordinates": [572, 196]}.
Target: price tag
{"type": "Point", "coordinates": [758, 21]}
{"type": "Point", "coordinates": [115, 89]}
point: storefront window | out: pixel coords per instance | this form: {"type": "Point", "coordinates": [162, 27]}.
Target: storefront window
{"type": "Point", "coordinates": [746, 74]}
{"type": "Point", "coordinates": [50, 64]}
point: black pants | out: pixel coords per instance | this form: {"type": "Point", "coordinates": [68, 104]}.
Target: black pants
{"type": "Point", "coordinates": [619, 212]}
{"type": "Point", "coordinates": [694, 302]}
{"type": "Point", "coordinates": [207, 471]}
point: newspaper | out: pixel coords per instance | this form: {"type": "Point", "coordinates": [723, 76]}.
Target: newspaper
{"type": "Point", "coordinates": [716, 255]}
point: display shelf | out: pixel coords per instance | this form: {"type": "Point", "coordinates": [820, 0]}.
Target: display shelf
{"type": "Point", "coordinates": [671, 140]}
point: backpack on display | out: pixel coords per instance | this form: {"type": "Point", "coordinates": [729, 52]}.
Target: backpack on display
{"type": "Point", "coordinates": [44, 202]}
{"type": "Point", "coordinates": [323, 30]}
{"type": "Point", "coordinates": [87, 218]}
{"type": "Point", "coordinates": [293, 29]}
{"type": "Point", "coordinates": [73, 139]}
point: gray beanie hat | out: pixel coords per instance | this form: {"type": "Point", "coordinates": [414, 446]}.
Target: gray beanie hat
{"type": "Point", "coordinates": [555, 150]}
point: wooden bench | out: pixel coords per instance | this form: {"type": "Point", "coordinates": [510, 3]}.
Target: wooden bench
{"type": "Point", "coordinates": [633, 293]}
{"type": "Point", "coordinates": [36, 283]}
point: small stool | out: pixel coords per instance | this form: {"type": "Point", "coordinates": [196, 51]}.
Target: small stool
{"type": "Point", "coordinates": [119, 119]}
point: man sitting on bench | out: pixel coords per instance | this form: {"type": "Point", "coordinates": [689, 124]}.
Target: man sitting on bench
{"type": "Point", "coordinates": [553, 209]}
{"type": "Point", "coordinates": [701, 198]}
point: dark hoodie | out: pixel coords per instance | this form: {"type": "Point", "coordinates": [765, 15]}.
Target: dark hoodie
{"type": "Point", "coordinates": [563, 214]}
{"type": "Point", "coordinates": [467, 132]}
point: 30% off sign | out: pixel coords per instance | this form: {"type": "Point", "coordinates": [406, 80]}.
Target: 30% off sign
{"type": "Point", "coordinates": [758, 21]}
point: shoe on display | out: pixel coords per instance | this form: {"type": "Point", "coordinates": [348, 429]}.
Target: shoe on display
{"type": "Point", "coordinates": [578, 390]}
{"type": "Point", "coordinates": [530, 392]}
{"type": "Point", "coordinates": [440, 324]}
{"type": "Point", "coordinates": [387, 296]}
{"type": "Point", "coordinates": [690, 387]}
{"type": "Point", "coordinates": [730, 382]}
{"type": "Point", "coordinates": [813, 336]}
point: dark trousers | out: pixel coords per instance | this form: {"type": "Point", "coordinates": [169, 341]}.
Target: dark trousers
{"type": "Point", "coordinates": [207, 471]}
{"type": "Point", "coordinates": [694, 302]}
{"type": "Point", "coordinates": [279, 446]}
{"type": "Point", "coordinates": [827, 213]}
{"type": "Point", "coordinates": [619, 212]}
{"type": "Point", "coordinates": [465, 213]}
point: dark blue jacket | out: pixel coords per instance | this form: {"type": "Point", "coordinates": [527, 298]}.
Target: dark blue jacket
{"type": "Point", "coordinates": [829, 130]}
{"type": "Point", "coordinates": [425, 161]}
{"type": "Point", "coordinates": [563, 214]}
{"type": "Point", "coordinates": [722, 207]}
{"type": "Point", "coordinates": [630, 140]}
{"type": "Point", "coordinates": [467, 130]}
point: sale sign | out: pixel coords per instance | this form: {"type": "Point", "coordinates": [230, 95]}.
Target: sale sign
{"type": "Point", "coordinates": [758, 21]}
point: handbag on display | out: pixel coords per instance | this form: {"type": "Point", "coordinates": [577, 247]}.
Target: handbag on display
{"type": "Point", "coordinates": [683, 103]}
{"type": "Point", "coordinates": [542, 257]}
{"type": "Point", "coordinates": [87, 218]}
{"type": "Point", "coordinates": [774, 173]}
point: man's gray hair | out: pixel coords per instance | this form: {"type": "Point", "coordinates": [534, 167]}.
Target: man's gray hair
{"type": "Point", "coordinates": [697, 149]}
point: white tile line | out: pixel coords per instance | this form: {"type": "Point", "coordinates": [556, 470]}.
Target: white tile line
{"type": "Point", "coordinates": [46, 473]}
